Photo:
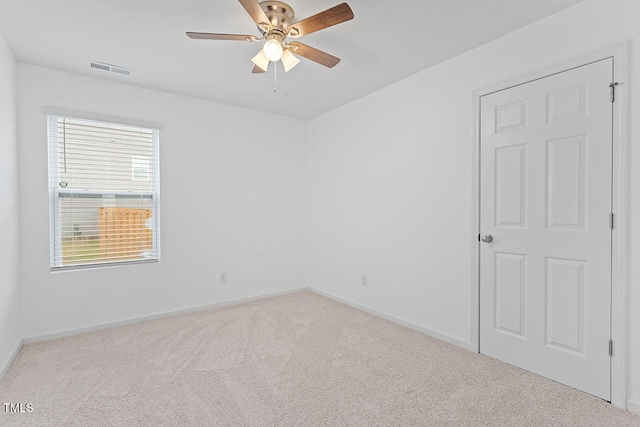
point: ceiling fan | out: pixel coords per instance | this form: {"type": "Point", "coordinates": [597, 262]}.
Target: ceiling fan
{"type": "Point", "coordinates": [275, 21]}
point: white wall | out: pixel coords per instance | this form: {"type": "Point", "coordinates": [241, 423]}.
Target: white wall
{"type": "Point", "coordinates": [232, 200]}
{"type": "Point", "coordinates": [9, 284]}
{"type": "Point", "coordinates": [390, 176]}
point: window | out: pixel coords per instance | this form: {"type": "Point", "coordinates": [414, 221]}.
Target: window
{"type": "Point", "coordinates": [104, 193]}
{"type": "Point", "coordinates": [140, 168]}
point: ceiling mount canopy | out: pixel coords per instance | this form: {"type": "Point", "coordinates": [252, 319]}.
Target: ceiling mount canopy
{"type": "Point", "coordinates": [275, 20]}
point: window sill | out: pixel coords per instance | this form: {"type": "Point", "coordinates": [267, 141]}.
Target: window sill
{"type": "Point", "coordinates": [102, 265]}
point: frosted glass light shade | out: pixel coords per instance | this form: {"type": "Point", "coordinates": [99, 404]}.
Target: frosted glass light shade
{"type": "Point", "coordinates": [289, 60]}
{"type": "Point", "coordinates": [273, 50]}
{"type": "Point", "coordinates": [261, 60]}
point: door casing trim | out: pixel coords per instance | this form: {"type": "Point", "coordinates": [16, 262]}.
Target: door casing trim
{"type": "Point", "coordinates": [620, 235]}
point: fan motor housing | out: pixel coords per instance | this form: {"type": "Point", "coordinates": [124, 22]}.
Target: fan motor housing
{"type": "Point", "coordinates": [280, 15]}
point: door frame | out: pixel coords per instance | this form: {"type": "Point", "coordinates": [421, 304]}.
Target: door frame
{"type": "Point", "coordinates": [620, 234]}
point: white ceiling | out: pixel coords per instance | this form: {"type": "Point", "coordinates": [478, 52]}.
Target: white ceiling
{"type": "Point", "coordinates": [385, 42]}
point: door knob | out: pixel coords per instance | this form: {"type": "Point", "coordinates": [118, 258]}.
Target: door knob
{"type": "Point", "coordinates": [487, 238]}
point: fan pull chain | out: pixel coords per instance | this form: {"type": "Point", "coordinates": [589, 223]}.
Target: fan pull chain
{"type": "Point", "coordinates": [275, 77]}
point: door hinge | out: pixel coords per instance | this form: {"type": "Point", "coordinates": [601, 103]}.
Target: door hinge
{"type": "Point", "coordinates": [610, 347]}
{"type": "Point", "coordinates": [612, 88]}
{"type": "Point", "coordinates": [611, 220]}
{"type": "Point", "coordinates": [478, 237]}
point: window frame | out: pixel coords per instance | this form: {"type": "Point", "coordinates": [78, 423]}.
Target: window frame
{"type": "Point", "coordinates": [56, 193]}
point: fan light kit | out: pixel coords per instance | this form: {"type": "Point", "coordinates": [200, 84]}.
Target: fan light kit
{"type": "Point", "coordinates": [273, 50]}
{"type": "Point", "coordinates": [275, 21]}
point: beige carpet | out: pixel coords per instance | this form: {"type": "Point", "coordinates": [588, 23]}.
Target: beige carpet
{"type": "Point", "coordinates": [293, 360]}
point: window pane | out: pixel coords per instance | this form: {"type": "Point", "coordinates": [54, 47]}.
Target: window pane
{"type": "Point", "coordinates": [106, 157]}
{"type": "Point", "coordinates": [141, 170]}
{"type": "Point", "coordinates": [102, 229]}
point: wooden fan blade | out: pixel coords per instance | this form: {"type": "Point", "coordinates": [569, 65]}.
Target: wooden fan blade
{"type": "Point", "coordinates": [330, 17]}
{"type": "Point", "coordinates": [216, 36]}
{"type": "Point", "coordinates": [314, 54]}
{"type": "Point", "coordinates": [254, 9]}
{"type": "Point", "coordinates": [257, 70]}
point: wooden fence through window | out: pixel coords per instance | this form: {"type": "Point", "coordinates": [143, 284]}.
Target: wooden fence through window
{"type": "Point", "coordinates": [124, 233]}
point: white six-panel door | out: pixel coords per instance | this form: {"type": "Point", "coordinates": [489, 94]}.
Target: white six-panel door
{"type": "Point", "coordinates": [546, 176]}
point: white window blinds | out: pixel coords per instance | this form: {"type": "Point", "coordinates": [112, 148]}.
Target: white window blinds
{"type": "Point", "coordinates": [104, 192]}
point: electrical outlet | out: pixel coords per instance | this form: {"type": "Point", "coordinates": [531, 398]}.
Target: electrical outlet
{"type": "Point", "coordinates": [223, 277]}
{"type": "Point", "coordinates": [363, 280]}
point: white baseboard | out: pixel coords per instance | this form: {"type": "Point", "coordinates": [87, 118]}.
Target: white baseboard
{"type": "Point", "coordinates": [633, 406]}
{"type": "Point", "coordinates": [108, 325]}
{"type": "Point", "coordinates": [442, 337]}
{"type": "Point", "coordinates": [9, 361]}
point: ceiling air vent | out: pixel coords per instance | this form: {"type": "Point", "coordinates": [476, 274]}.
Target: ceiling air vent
{"type": "Point", "coordinates": [111, 68]}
